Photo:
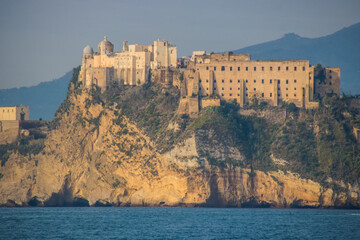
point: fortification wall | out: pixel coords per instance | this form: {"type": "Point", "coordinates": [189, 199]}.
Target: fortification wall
{"type": "Point", "coordinates": [14, 113]}
{"type": "Point", "coordinates": [9, 124]}
{"type": "Point", "coordinates": [328, 81]}
{"type": "Point", "coordinates": [189, 106]}
{"type": "Point", "coordinates": [209, 102]}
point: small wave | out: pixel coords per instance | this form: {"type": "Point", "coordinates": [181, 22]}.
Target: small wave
{"type": "Point", "coordinates": [355, 214]}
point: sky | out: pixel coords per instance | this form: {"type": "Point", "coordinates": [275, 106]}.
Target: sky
{"type": "Point", "coordinates": [41, 40]}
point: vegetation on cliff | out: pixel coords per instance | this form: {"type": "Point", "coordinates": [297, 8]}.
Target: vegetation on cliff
{"type": "Point", "coordinates": [109, 137]}
{"type": "Point", "coordinates": [317, 144]}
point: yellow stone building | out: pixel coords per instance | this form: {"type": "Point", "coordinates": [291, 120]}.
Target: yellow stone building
{"type": "Point", "coordinates": [14, 113]}
{"type": "Point", "coordinates": [131, 66]}
{"type": "Point", "coordinates": [235, 77]}
{"type": "Point", "coordinates": [10, 117]}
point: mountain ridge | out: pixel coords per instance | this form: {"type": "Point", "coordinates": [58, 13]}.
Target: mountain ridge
{"type": "Point", "coordinates": [339, 49]}
{"type": "Point", "coordinates": [43, 99]}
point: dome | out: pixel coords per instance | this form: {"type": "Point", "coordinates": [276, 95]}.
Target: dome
{"type": "Point", "coordinates": [105, 47]}
{"type": "Point", "coordinates": [88, 50]}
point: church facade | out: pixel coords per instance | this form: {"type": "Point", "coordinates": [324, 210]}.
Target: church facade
{"type": "Point", "coordinates": [131, 66]}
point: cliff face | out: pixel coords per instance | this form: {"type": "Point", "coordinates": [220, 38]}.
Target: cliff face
{"type": "Point", "coordinates": [103, 154]}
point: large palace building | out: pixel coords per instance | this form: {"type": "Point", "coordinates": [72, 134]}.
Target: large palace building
{"type": "Point", "coordinates": [129, 67]}
{"type": "Point", "coordinates": [207, 78]}
{"type": "Point", "coordinates": [235, 77]}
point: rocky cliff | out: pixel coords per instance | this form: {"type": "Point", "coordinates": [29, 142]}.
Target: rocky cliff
{"type": "Point", "coordinates": [127, 147]}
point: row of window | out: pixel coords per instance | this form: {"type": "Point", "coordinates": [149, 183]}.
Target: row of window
{"type": "Point", "coordinates": [223, 68]}
{"type": "Point", "coordinates": [239, 89]}
{"type": "Point", "coordinates": [262, 81]}
{"type": "Point", "coordinates": [262, 95]}
{"type": "Point", "coordinates": [12, 110]}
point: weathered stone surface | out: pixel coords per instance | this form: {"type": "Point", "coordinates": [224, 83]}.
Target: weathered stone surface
{"type": "Point", "coordinates": [89, 162]}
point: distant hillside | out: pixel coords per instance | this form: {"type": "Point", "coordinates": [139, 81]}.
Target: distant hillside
{"type": "Point", "coordinates": [43, 99]}
{"type": "Point", "coordinates": [340, 49]}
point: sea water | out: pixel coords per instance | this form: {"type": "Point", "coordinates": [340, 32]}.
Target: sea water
{"type": "Point", "coordinates": [178, 223]}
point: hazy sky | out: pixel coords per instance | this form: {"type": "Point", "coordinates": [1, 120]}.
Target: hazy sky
{"type": "Point", "coordinates": [41, 40]}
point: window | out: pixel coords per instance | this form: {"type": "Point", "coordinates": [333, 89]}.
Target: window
{"type": "Point", "coordinates": [303, 68]}
{"type": "Point", "coordinates": [330, 77]}
{"type": "Point", "coordinates": [270, 94]}
{"type": "Point", "coordinates": [207, 88]}
{"type": "Point", "coordinates": [238, 81]}
{"type": "Point", "coordinates": [254, 89]}
{"type": "Point", "coordinates": [238, 68]}
{"type": "Point", "coordinates": [222, 94]}
{"type": "Point", "coordinates": [230, 80]}
{"type": "Point", "coordinates": [230, 94]}
{"type": "Point", "coordinates": [254, 68]}
{"type": "Point", "coordinates": [199, 88]}
{"type": "Point", "coordinates": [246, 80]}
{"type": "Point", "coordinates": [330, 83]}
{"type": "Point", "coordinates": [279, 81]}
{"type": "Point", "coordinates": [287, 95]}
{"type": "Point", "coordinates": [287, 81]}
{"type": "Point", "coordinates": [254, 80]}
{"type": "Point", "coordinates": [207, 80]}
{"type": "Point", "coordinates": [262, 81]}
{"type": "Point", "coordinates": [287, 68]}
{"type": "Point", "coordinates": [238, 94]}
{"type": "Point", "coordinates": [278, 89]}
{"type": "Point", "coordinates": [207, 68]}
{"type": "Point", "coordinates": [222, 80]}
{"type": "Point", "coordinates": [294, 94]}
{"type": "Point", "coordinates": [294, 80]}
{"type": "Point", "coordinates": [287, 89]}
{"type": "Point", "coordinates": [270, 68]}
{"type": "Point", "coordinates": [330, 71]}
{"type": "Point", "coordinates": [262, 95]}
{"type": "Point", "coordinates": [270, 81]}
{"type": "Point", "coordinates": [278, 95]}
{"type": "Point", "coordinates": [200, 80]}
{"type": "Point", "coordinates": [246, 94]}
{"type": "Point", "coordinates": [222, 88]}
{"type": "Point", "coordinates": [295, 89]}
{"type": "Point", "coordinates": [222, 68]}
{"type": "Point", "coordinates": [262, 68]}
{"type": "Point", "coordinates": [246, 89]}
{"type": "Point", "coordinates": [230, 89]}
{"type": "Point", "coordinates": [214, 88]}
{"type": "Point", "coordinates": [294, 68]}
{"type": "Point", "coordinates": [246, 68]}
{"type": "Point", "coordinates": [278, 68]}
{"type": "Point", "coordinates": [238, 88]}
{"type": "Point", "coordinates": [230, 68]}
{"type": "Point", "coordinates": [214, 68]}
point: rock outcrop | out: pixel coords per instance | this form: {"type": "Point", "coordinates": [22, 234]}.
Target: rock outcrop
{"type": "Point", "coordinates": [96, 156]}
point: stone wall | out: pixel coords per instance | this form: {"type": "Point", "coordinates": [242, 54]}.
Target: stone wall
{"type": "Point", "coordinates": [164, 75]}
{"type": "Point", "coordinates": [14, 113]}
{"type": "Point", "coordinates": [189, 106]}
{"type": "Point", "coordinates": [9, 124]}
{"type": "Point", "coordinates": [327, 80]}
{"type": "Point", "coordinates": [234, 77]}
{"type": "Point", "coordinates": [209, 102]}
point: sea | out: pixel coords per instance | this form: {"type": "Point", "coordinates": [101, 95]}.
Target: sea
{"type": "Point", "coordinates": [178, 223]}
